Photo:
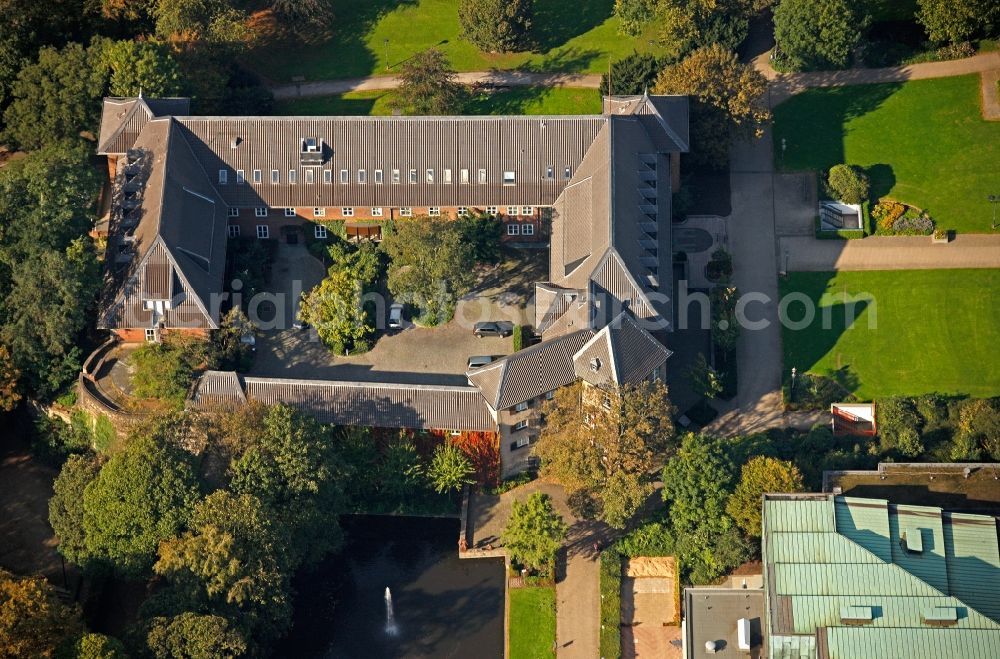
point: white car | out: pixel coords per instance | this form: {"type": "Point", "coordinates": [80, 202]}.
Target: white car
{"type": "Point", "coordinates": [395, 316]}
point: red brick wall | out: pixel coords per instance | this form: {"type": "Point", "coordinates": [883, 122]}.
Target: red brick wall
{"type": "Point", "coordinates": [138, 335]}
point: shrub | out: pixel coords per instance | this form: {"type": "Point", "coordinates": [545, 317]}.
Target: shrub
{"type": "Point", "coordinates": [920, 225]}
{"type": "Point", "coordinates": [848, 183]}
{"type": "Point", "coordinates": [517, 337]}
{"type": "Point", "coordinates": [509, 484]}
{"type": "Point", "coordinates": [885, 213]}
{"type": "Point", "coordinates": [899, 426]}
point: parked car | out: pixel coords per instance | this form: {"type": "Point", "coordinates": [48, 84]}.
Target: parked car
{"type": "Point", "coordinates": [478, 361]}
{"type": "Point", "coordinates": [249, 340]}
{"type": "Point", "coordinates": [491, 328]}
{"type": "Point", "coordinates": [395, 316]}
{"type": "Point", "coordinates": [300, 324]}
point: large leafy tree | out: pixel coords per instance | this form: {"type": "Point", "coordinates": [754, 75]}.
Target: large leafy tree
{"type": "Point", "coordinates": [760, 476]}
{"type": "Point", "coordinates": [194, 635]}
{"type": "Point", "coordinates": [66, 506]}
{"type": "Point", "coordinates": [431, 265]}
{"type": "Point", "coordinates": [140, 66]}
{"type": "Point", "coordinates": [497, 26]}
{"type": "Point", "coordinates": [633, 74]}
{"type": "Point", "coordinates": [450, 468]}
{"type": "Point", "coordinates": [605, 444]}
{"type": "Point", "coordinates": [97, 646]}
{"type": "Point", "coordinates": [534, 531]}
{"type": "Point", "coordinates": [142, 496]}
{"type": "Point", "coordinates": [234, 559]}
{"type": "Point", "coordinates": [427, 86]}
{"type": "Point", "coordinates": [10, 393]}
{"type": "Point", "coordinates": [334, 307]}
{"type": "Point", "coordinates": [398, 472]}
{"type": "Point", "coordinates": [956, 20]}
{"type": "Point", "coordinates": [291, 466]}
{"type": "Point", "coordinates": [725, 98]}
{"type": "Point", "coordinates": [33, 622]}
{"type": "Point", "coordinates": [818, 34]}
{"type": "Point", "coordinates": [56, 97]}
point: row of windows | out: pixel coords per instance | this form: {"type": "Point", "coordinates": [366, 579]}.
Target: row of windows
{"type": "Point", "coordinates": [395, 176]}
{"type": "Point", "coordinates": [376, 211]}
{"type": "Point", "coordinates": [320, 232]}
{"type": "Point", "coordinates": [520, 229]}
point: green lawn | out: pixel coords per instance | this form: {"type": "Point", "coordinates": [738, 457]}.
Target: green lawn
{"type": "Point", "coordinates": [924, 143]}
{"type": "Point", "coordinates": [519, 100]}
{"type": "Point", "coordinates": [935, 331]}
{"type": "Point", "coordinates": [532, 623]}
{"type": "Point", "coordinates": [572, 36]}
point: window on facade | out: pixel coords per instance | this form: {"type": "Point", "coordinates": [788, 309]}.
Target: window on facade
{"type": "Point", "coordinates": [509, 178]}
{"type": "Point", "coordinates": [223, 176]}
{"type": "Point", "coordinates": [434, 210]}
{"type": "Point", "coordinates": [376, 211]}
{"type": "Point", "coordinates": [328, 176]}
{"type": "Point", "coordinates": [241, 177]}
{"type": "Point", "coordinates": [319, 231]}
{"type": "Point", "coordinates": [405, 211]}
{"type": "Point", "coordinates": [446, 176]}
{"type": "Point", "coordinates": [568, 173]}
{"type": "Point", "coordinates": [521, 425]}
{"type": "Point", "coordinates": [520, 407]}
{"type": "Point", "coordinates": [234, 212]}
{"type": "Point", "coordinates": [345, 177]}
{"type": "Point", "coordinates": [234, 231]}
{"type": "Point", "coordinates": [513, 229]}
{"type": "Point", "coordinates": [260, 211]}
{"type": "Point", "coordinates": [463, 176]}
{"type": "Point", "coordinates": [430, 175]}
{"type": "Point", "coordinates": [522, 441]}
{"type": "Point", "coordinates": [275, 177]}
{"type": "Point", "coordinates": [528, 230]}
{"type": "Point", "coordinates": [512, 210]}
{"type": "Point", "coordinates": [347, 211]}
{"type": "Point", "coordinates": [549, 395]}
{"type": "Point", "coordinates": [262, 231]}
{"type": "Point", "coordinates": [309, 176]}
{"type": "Point", "coordinates": [482, 176]}
{"type": "Point", "coordinates": [378, 177]}
{"type": "Point", "coordinates": [289, 212]}
{"type": "Point", "coordinates": [413, 176]}
{"type": "Point", "coordinates": [319, 212]}
{"type": "Point", "coordinates": [491, 210]}
{"type": "Point", "coordinates": [527, 210]}
{"type": "Point", "coordinates": [256, 176]}
{"type": "Point", "coordinates": [292, 176]}
{"type": "Point", "coordinates": [362, 176]}
{"type": "Point", "coordinates": [150, 335]}
{"type": "Point", "coordinates": [395, 176]}
{"type": "Point", "coordinates": [463, 211]}
{"type": "Point", "coordinates": [550, 172]}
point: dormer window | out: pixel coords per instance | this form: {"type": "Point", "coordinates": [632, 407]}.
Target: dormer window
{"type": "Point", "coordinates": [223, 177]}
{"type": "Point", "coordinates": [311, 151]}
{"type": "Point", "coordinates": [509, 178]}
{"type": "Point", "coordinates": [240, 177]}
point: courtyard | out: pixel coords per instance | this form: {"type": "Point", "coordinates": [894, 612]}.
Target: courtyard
{"type": "Point", "coordinates": [934, 331]}
{"type": "Point", "coordinates": [412, 354]}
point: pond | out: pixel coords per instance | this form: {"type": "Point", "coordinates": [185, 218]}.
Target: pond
{"type": "Point", "coordinates": [441, 606]}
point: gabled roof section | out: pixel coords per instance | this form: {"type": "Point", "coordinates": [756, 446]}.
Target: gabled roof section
{"type": "Point", "coordinates": [529, 373]}
{"type": "Point", "coordinates": [122, 119]}
{"type": "Point", "coordinates": [621, 354]}
{"type": "Point", "coordinates": [669, 117]}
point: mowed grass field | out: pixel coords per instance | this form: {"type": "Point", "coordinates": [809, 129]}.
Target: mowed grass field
{"type": "Point", "coordinates": [532, 623]}
{"type": "Point", "coordinates": [575, 36]}
{"type": "Point", "coordinates": [935, 331]}
{"type": "Point", "coordinates": [923, 142]}
{"type": "Point", "coordinates": [517, 100]}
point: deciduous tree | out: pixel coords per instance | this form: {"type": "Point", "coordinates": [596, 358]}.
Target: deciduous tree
{"type": "Point", "coordinates": [607, 446]}
{"type": "Point", "coordinates": [725, 97]}
{"type": "Point", "coordinates": [450, 469]}
{"type": "Point", "coordinates": [194, 635]}
{"type": "Point", "coordinates": [33, 622]}
{"type": "Point", "coordinates": [143, 495]}
{"type": "Point", "coordinates": [760, 476]}
{"type": "Point", "coordinates": [534, 531]}
{"type": "Point", "coordinates": [849, 184]}
{"type": "Point", "coordinates": [633, 74]}
{"type": "Point", "coordinates": [10, 393]}
{"type": "Point", "coordinates": [427, 86]}
{"type": "Point", "coordinates": [818, 34]}
{"type": "Point", "coordinates": [66, 507]}
{"type": "Point", "coordinates": [140, 66]}
{"type": "Point", "coordinates": [705, 381]}
{"type": "Point", "coordinates": [955, 20]}
{"type": "Point", "coordinates": [97, 646]}
{"type": "Point", "coordinates": [697, 482]}
{"type": "Point", "coordinates": [497, 26]}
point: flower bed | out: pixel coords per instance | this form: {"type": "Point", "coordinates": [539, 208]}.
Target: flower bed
{"type": "Point", "coordinates": [893, 218]}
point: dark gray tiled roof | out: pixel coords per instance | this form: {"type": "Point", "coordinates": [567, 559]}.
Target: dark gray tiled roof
{"type": "Point", "coordinates": [625, 354]}
{"type": "Point", "coordinates": [371, 404]}
{"type": "Point", "coordinates": [531, 372]}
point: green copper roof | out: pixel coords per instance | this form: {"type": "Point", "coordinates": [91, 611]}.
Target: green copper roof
{"type": "Point", "coordinates": [929, 579]}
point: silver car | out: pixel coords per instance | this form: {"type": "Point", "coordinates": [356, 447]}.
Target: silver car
{"type": "Point", "coordinates": [395, 316]}
{"type": "Point", "coordinates": [479, 361]}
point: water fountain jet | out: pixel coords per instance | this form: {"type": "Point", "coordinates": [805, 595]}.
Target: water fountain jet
{"type": "Point", "coordinates": [390, 616]}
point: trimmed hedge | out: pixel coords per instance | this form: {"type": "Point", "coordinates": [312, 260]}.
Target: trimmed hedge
{"type": "Point", "coordinates": [518, 337]}
{"type": "Point", "coordinates": [611, 603]}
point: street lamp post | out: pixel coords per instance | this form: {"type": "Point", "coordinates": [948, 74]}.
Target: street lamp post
{"type": "Point", "coordinates": [993, 199]}
{"type": "Point", "coordinates": [385, 42]}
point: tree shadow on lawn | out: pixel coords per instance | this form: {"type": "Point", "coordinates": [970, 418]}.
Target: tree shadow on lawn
{"type": "Point", "coordinates": [882, 179]}
{"type": "Point", "coordinates": [557, 21]}
{"type": "Point", "coordinates": [570, 59]}
{"type": "Point", "coordinates": [805, 348]}
{"type": "Point", "coordinates": [814, 123]}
